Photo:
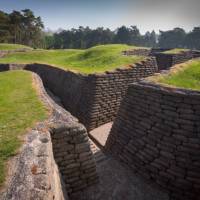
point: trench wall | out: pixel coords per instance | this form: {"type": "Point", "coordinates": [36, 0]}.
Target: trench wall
{"type": "Point", "coordinates": [110, 89]}
{"type": "Point", "coordinates": [157, 134]}
{"type": "Point", "coordinates": [165, 61]}
{"type": "Point", "coordinates": [4, 67]}
{"type": "Point", "coordinates": [71, 146]}
{"type": "Point", "coordinates": [94, 99]}
{"type": "Point", "coordinates": [5, 52]}
{"type": "Point", "coordinates": [75, 90]}
{"type": "Point", "coordinates": [155, 51]}
{"type": "Point", "coordinates": [144, 52]}
{"type": "Point", "coordinates": [73, 155]}
{"type": "Point", "coordinates": [137, 52]}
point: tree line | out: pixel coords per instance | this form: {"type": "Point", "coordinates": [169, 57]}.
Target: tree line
{"type": "Point", "coordinates": [178, 38]}
{"type": "Point", "coordinates": [86, 37]}
{"type": "Point", "coordinates": [21, 27]}
{"type": "Point", "coordinates": [24, 27]}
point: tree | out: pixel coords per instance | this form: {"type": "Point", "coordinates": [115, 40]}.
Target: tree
{"type": "Point", "coordinates": [123, 35]}
{"type": "Point", "coordinates": [136, 38]}
{"type": "Point", "coordinates": [49, 41]}
{"type": "Point", "coordinates": [15, 19]}
{"type": "Point", "coordinates": [193, 39]}
{"type": "Point", "coordinates": [25, 28]}
{"type": "Point", "coordinates": [172, 39]}
{"type": "Point", "coordinates": [21, 27]}
{"type": "Point", "coordinates": [32, 27]}
{"type": "Point", "coordinates": [149, 39]}
{"type": "Point", "coordinates": [5, 35]}
{"type": "Point", "coordinates": [153, 39]}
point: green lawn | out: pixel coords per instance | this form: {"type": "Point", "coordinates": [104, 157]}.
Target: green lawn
{"type": "Point", "coordinates": [20, 108]}
{"type": "Point", "coordinates": [187, 76]}
{"type": "Point", "coordinates": [95, 59]}
{"type": "Point", "coordinates": [175, 51]}
{"type": "Point", "coordinates": [5, 46]}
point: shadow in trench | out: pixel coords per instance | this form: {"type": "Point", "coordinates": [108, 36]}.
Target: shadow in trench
{"type": "Point", "coordinates": [4, 67]}
{"type": "Point", "coordinates": [117, 182]}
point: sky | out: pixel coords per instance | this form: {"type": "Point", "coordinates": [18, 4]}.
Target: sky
{"type": "Point", "coordinates": [146, 14]}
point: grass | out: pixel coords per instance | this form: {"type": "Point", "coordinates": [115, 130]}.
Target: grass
{"type": "Point", "coordinates": [96, 59]}
{"type": "Point", "coordinates": [20, 109]}
{"type": "Point", "coordinates": [175, 51]}
{"type": "Point", "coordinates": [5, 46]}
{"type": "Point", "coordinates": [185, 75]}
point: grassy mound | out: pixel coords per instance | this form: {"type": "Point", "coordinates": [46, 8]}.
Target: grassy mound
{"type": "Point", "coordinates": [175, 51]}
{"type": "Point", "coordinates": [5, 46]}
{"type": "Point", "coordinates": [95, 59]}
{"type": "Point", "coordinates": [20, 108]}
{"type": "Point", "coordinates": [185, 75]}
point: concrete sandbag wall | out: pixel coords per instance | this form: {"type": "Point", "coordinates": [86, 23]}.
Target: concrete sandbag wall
{"type": "Point", "coordinates": [165, 61]}
{"type": "Point", "coordinates": [157, 134]}
{"type": "Point", "coordinates": [95, 98]}
{"type": "Point", "coordinates": [111, 87]}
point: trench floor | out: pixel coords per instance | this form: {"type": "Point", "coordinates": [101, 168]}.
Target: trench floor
{"type": "Point", "coordinates": [116, 181]}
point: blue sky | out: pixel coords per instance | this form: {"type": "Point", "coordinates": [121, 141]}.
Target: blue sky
{"type": "Point", "coordinates": [146, 14]}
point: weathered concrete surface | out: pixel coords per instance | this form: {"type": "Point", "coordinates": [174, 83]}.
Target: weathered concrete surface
{"type": "Point", "coordinates": [100, 134]}
{"type": "Point", "coordinates": [118, 182]}
{"type": "Point", "coordinates": [37, 175]}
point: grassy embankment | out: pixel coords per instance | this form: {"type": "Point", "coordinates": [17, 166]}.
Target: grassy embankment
{"type": "Point", "coordinates": [20, 108]}
{"type": "Point", "coordinates": [186, 75]}
{"type": "Point", "coordinates": [96, 59]}
{"type": "Point", "coordinates": [7, 47]}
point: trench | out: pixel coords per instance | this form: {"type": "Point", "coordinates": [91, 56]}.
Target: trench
{"type": "Point", "coordinates": [116, 180]}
